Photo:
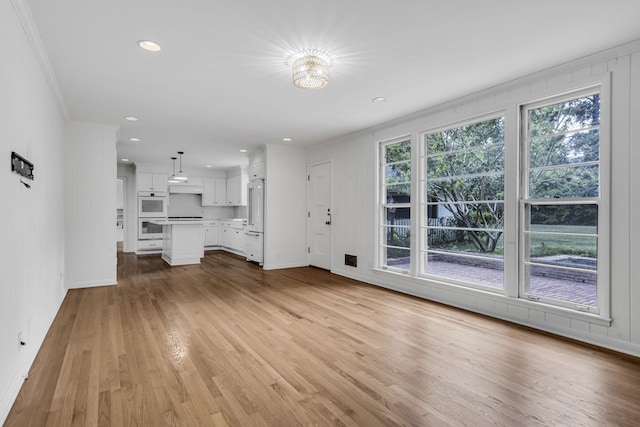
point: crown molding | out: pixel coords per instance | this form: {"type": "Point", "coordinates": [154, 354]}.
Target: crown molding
{"type": "Point", "coordinates": [33, 36]}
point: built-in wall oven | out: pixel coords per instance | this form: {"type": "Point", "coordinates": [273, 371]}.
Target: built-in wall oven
{"type": "Point", "coordinates": [147, 230]}
{"type": "Point", "coordinates": [152, 205]}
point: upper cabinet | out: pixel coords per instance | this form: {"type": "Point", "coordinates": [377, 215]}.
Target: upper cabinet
{"type": "Point", "coordinates": [214, 192]}
{"type": "Point", "coordinates": [256, 171]}
{"type": "Point", "coordinates": [237, 190]}
{"type": "Point", "coordinates": [152, 182]}
{"type": "Point", "coordinates": [256, 168]}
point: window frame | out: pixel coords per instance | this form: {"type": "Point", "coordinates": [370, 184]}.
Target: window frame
{"type": "Point", "coordinates": [602, 201]}
{"type": "Point", "coordinates": [513, 151]}
{"type": "Point", "coordinates": [423, 201]}
{"type": "Point", "coordinates": [381, 254]}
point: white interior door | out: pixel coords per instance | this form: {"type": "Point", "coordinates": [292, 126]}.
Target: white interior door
{"type": "Point", "coordinates": [319, 215]}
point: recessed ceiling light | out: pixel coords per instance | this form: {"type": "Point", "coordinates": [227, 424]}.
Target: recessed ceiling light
{"type": "Point", "coordinates": [125, 160]}
{"type": "Point", "coordinates": [287, 139]}
{"type": "Point", "coordinates": [131, 118]}
{"type": "Point", "coordinates": [132, 139]}
{"type": "Point", "coordinates": [243, 151]}
{"type": "Point", "coordinates": [379, 99]}
{"type": "Point", "coordinates": [208, 166]}
{"type": "Point", "coordinates": [149, 45]}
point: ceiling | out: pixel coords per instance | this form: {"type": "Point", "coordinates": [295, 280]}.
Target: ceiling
{"type": "Point", "coordinates": [221, 82]}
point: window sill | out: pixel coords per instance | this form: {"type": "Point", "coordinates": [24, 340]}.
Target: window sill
{"type": "Point", "coordinates": [546, 308]}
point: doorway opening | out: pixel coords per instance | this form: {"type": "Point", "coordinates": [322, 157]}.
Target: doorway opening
{"type": "Point", "coordinates": [319, 215]}
{"type": "Point", "coordinates": [119, 214]}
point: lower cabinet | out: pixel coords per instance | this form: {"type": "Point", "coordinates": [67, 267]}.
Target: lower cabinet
{"type": "Point", "coordinates": [225, 236]}
{"type": "Point", "coordinates": [154, 245]}
{"type": "Point", "coordinates": [211, 236]}
{"type": "Point", "coordinates": [228, 235]}
{"type": "Point", "coordinates": [236, 240]}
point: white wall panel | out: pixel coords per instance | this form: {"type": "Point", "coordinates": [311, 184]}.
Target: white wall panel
{"type": "Point", "coordinates": [285, 242]}
{"type": "Point", "coordinates": [90, 198]}
{"type": "Point", "coordinates": [32, 250]}
{"type": "Point", "coordinates": [634, 198]}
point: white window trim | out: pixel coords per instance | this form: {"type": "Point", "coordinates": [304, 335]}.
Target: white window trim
{"type": "Point", "coordinates": [381, 206]}
{"type": "Point", "coordinates": [420, 222]}
{"type": "Point", "coordinates": [603, 287]}
{"type": "Point", "coordinates": [512, 169]}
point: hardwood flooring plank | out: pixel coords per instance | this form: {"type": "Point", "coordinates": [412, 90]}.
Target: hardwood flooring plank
{"type": "Point", "coordinates": [225, 343]}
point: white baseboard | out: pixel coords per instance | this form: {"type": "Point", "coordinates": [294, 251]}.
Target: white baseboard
{"type": "Point", "coordinates": [93, 283]}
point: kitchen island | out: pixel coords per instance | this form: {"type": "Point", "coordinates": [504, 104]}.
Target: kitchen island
{"type": "Point", "coordinates": [183, 241]}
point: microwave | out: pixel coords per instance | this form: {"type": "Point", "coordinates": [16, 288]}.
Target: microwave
{"type": "Point", "coordinates": [152, 206]}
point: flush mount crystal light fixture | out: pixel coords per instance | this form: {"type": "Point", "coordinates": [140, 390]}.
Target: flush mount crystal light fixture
{"type": "Point", "coordinates": [180, 176]}
{"type": "Point", "coordinates": [310, 69]}
{"type": "Point", "coordinates": [172, 179]}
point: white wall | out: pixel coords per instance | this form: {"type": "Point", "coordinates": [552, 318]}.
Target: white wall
{"type": "Point", "coordinates": [32, 249]}
{"type": "Point", "coordinates": [90, 200]}
{"type": "Point", "coordinates": [355, 189]}
{"type": "Point", "coordinates": [285, 243]}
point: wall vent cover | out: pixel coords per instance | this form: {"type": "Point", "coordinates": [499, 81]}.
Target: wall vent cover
{"type": "Point", "coordinates": [350, 260]}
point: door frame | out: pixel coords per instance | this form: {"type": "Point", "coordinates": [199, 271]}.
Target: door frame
{"type": "Point", "coordinates": [309, 166]}
{"type": "Point", "coordinates": [125, 214]}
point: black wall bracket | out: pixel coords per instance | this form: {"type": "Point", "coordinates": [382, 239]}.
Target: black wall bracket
{"type": "Point", "coordinates": [21, 166]}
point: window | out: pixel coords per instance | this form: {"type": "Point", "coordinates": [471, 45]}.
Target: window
{"type": "Point", "coordinates": [463, 203]}
{"type": "Point", "coordinates": [561, 202]}
{"type": "Point", "coordinates": [395, 205]}
{"type": "Point", "coordinates": [553, 213]}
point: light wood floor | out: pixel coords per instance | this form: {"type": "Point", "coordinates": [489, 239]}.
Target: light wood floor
{"type": "Point", "coordinates": [228, 344]}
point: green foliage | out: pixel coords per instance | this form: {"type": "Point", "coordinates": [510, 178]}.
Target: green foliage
{"type": "Point", "coordinates": [398, 171]}
{"type": "Point", "coordinates": [550, 250]}
{"type": "Point", "coordinates": [563, 240]}
{"type": "Point", "coordinates": [398, 237]}
{"type": "Point", "coordinates": [582, 214]}
{"type": "Point", "coordinates": [465, 171]}
{"type": "Point", "coordinates": [456, 157]}
{"type": "Point", "coordinates": [566, 134]}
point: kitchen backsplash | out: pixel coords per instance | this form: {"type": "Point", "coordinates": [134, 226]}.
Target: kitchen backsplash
{"type": "Point", "coordinates": [190, 205]}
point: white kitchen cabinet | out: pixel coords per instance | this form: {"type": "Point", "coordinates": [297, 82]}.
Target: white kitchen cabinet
{"type": "Point", "coordinates": [211, 233]}
{"type": "Point", "coordinates": [182, 242]}
{"type": "Point", "coordinates": [155, 182]}
{"type": "Point", "coordinates": [225, 236]}
{"type": "Point", "coordinates": [231, 236]}
{"type": "Point", "coordinates": [154, 245]}
{"type": "Point", "coordinates": [214, 192]}
{"type": "Point", "coordinates": [237, 190]}
{"type": "Point", "coordinates": [256, 171]}
{"type": "Point", "coordinates": [237, 240]}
